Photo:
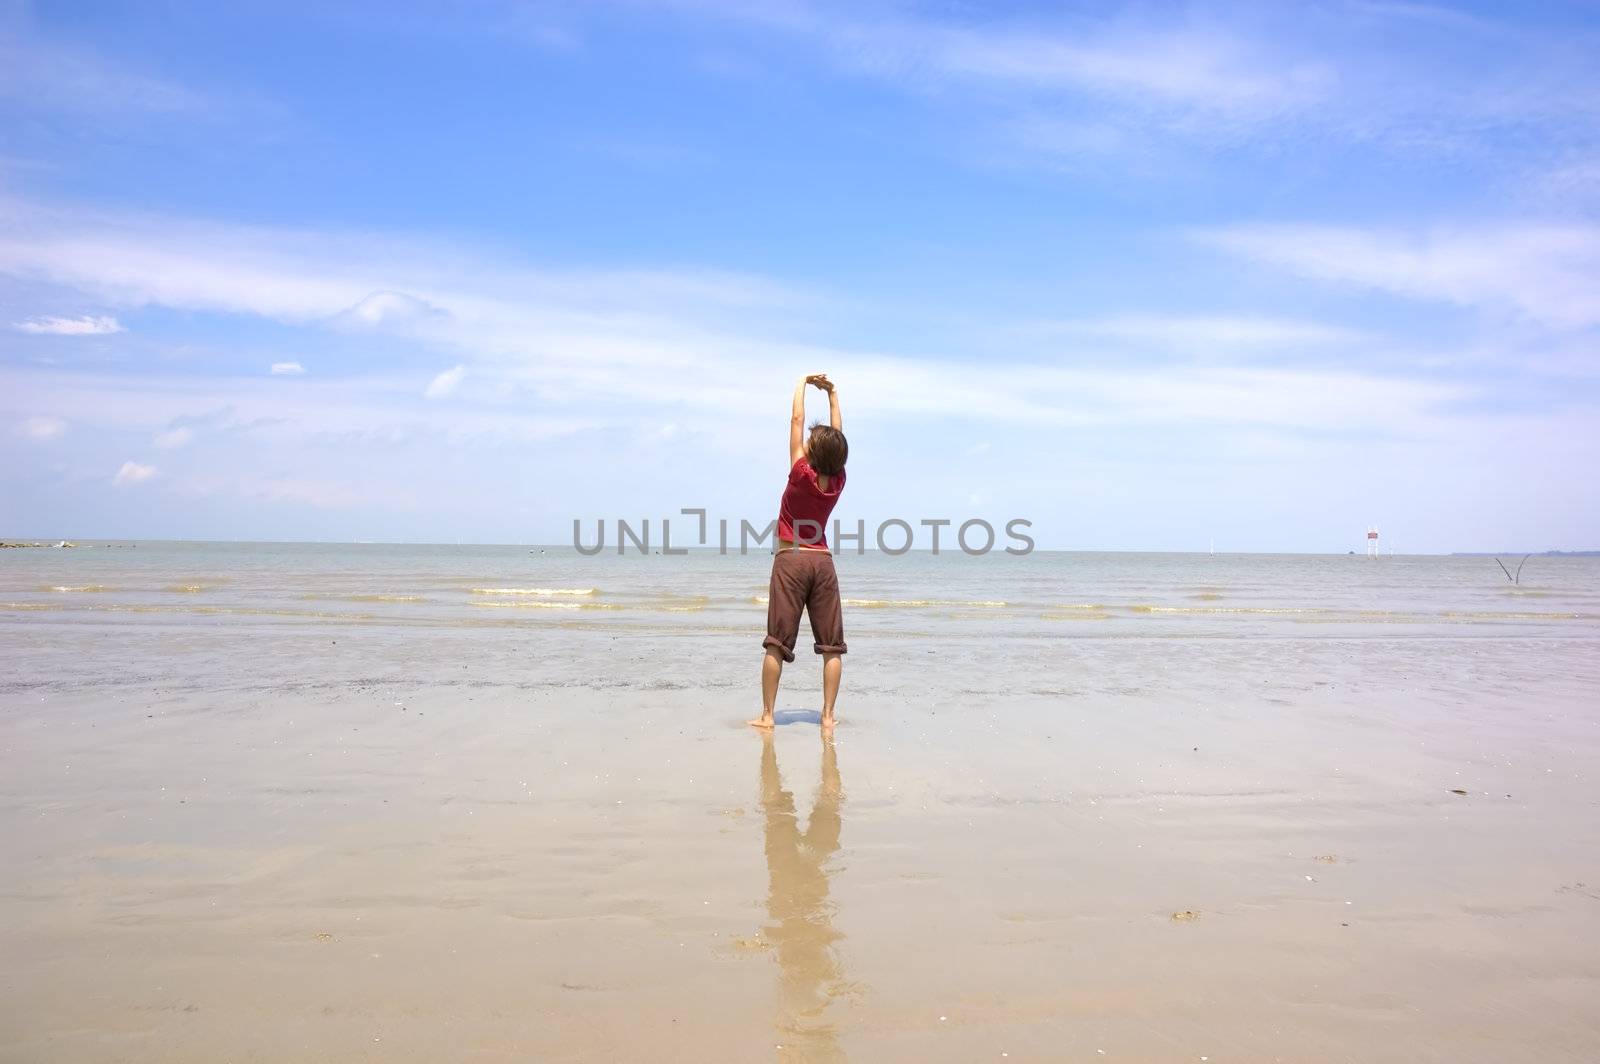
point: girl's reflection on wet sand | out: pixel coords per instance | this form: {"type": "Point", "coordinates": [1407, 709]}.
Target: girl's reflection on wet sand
{"type": "Point", "coordinates": [801, 914]}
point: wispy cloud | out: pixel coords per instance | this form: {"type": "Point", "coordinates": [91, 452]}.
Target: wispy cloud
{"type": "Point", "coordinates": [1096, 83]}
{"type": "Point", "coordinates": [616, 342]}
{"type": "Point", "coordinates": [1205, 332]}
{"type": "Point", "coordinates": [1202, 69]}
{"type": "Point", "coordinates": [41, 429]}
{"type": "Point", "coordinates": [287, 369]}
{"type": "Point", "coordinates": [174, 438]}
{"type": "Point", "coordinates": [445, 383]}
{"type": "Point", "coordinates": [133, 473]}
{"type": "Point", "coordinates": [1288, 400]}
{"type": "Point", "coordinates": [366, 408]}
{"type": "Point", "coordinates": [55, 79]}
{"type": "Point", "coordinates": [320, 493]}
{"type": "Point", "coordinates": [89, 325]}
{"type": "Point", "coordinates": [1115, 80]}
{"type": "Point", "coordinates": [302, 276]}
{"type": "Point", "coordinates": [1184, 61]}
{"type": "Point", "coordinates": [43, 74]}
{"type": "Point", "coordinates": [1545, 273]}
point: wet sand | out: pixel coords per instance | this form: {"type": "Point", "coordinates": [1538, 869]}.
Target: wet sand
{"type": "Point", "coordinates": [563, 845]}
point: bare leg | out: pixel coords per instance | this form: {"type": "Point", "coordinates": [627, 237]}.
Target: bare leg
{"type": "Point", "coordinates": [771, 670]}
{"type": "Point", "coordinates": [832, 669]}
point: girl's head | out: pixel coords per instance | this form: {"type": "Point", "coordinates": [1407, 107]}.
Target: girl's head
{"type": "Point", "coordinates": [827, 450]}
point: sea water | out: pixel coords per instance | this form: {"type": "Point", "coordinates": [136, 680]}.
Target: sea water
{"type": "Point", "coordinates": [1042, 595]}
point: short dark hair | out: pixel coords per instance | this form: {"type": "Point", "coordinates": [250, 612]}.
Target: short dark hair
{"type": "Point", "coordinates": [828, 450]}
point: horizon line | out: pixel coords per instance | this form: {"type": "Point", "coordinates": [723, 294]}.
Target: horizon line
{"type": "Point", "coordinates": [50, 542]}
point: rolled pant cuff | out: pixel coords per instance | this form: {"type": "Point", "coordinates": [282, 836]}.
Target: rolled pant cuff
{"type": "Point", "coordinates": [827, 648]}
{"type": "Point", "coordinates": [772, 642]}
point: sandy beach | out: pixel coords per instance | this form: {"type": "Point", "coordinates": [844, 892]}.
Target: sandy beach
{"type": "Point", "coordinates": [1139, 837]}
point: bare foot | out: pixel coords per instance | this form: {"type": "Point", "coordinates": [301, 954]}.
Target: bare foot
{"type": "Point", "coordinates": [763, 721]}
{"type": "Point", "coordinates": [827, 725]}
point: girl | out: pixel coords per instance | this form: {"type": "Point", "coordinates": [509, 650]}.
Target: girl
{"type": "Point", "coordinates": [802, 565]}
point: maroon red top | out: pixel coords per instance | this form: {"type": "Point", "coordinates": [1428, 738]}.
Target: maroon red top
{"type": "Point", "coordinates": [807, 504]}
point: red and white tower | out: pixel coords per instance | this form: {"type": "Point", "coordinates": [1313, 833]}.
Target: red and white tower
{"type": "Point", "coordinates": [1372, 542]}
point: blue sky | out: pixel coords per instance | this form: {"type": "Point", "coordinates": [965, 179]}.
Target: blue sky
{"type": "Point", "coordinates": [1149, 276]}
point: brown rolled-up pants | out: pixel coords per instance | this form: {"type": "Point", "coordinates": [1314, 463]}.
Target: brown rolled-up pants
{"type": "Point", "coordinates": [804, 580]}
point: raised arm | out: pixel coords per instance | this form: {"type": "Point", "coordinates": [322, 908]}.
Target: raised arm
{"type": "Point", "coordinates": [797, 421]}
{"type": "Point", "coordinates": [797, 416]}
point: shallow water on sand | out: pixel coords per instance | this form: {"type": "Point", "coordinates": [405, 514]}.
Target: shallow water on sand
{"type": "Point", "coordinates": [397, 803]}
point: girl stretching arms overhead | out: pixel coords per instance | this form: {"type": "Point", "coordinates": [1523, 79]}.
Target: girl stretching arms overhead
{"type": "Point", "coordinates": [802, 565]}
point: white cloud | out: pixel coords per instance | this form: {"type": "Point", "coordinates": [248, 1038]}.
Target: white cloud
{"type": "Point", "coordinates": [342, 278]}
{"type": "Point", "coordinates": [133, 473]}
{"type": "Point", "coordinates": [41, 428]}
{"type": "Point", "coordinates": [84, 326]}
{"type": "Point", "coordinates": [174, 438]}
{"type": "Point", "coordinates": [606, 345]}
{"type": "Point", "coordinates": [445, 383]}
{"type": "Point", "coordinates": [287, 369]}
{"type": "Point", "coordinates": [1545, 273]}
{"type": "Point", "coordinates": [389, 309]}
{"type": "Point", "coordinates": [1205, 331]}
